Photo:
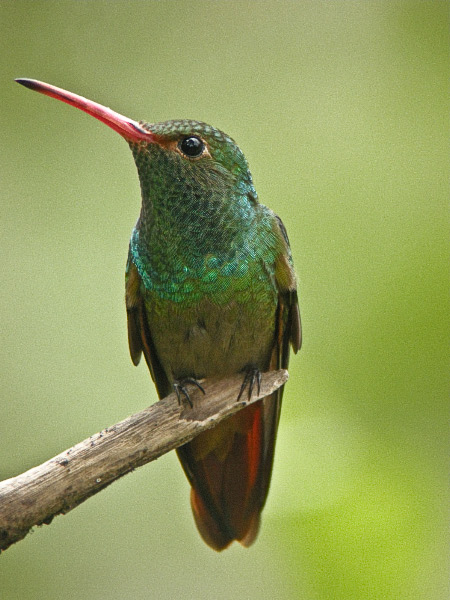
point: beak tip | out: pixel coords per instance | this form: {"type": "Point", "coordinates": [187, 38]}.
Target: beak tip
{"type": "Point", "coordinates": [29, 83]}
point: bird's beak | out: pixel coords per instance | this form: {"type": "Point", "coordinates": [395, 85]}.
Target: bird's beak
{"type": "Point", "coordinates": [129, 129]}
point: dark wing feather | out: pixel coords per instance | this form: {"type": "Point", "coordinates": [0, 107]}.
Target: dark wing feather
{"type": "Point", "coordinates": [139, 336]}
{"type": "Point", "coordinates": [287, 289]}
{"type": "Point", "coordinates": [287, 333]}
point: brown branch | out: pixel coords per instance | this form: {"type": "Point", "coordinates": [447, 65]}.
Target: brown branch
{"type": "Point", "coordinates": [65, 481]}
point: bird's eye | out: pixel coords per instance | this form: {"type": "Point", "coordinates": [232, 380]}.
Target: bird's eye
{"type": "Point", "coordinates": [191, 146]}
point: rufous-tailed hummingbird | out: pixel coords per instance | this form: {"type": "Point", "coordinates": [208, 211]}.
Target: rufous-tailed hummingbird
{"type": "Point", "coordinates": [210, 291]}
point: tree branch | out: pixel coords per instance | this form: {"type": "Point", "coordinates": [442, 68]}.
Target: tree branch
{"type": "Point", "coordinates": [65, 481]}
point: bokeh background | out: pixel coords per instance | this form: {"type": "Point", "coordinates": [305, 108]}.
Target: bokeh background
{"type": "Point", "coordinates": [339, 107]}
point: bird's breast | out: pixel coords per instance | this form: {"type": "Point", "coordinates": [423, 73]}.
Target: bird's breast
{"type": "Point", "coordinates": [207, 338]}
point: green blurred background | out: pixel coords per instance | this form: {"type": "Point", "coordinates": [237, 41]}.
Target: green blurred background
{"type": "Point", "coordinates": [339, 107]}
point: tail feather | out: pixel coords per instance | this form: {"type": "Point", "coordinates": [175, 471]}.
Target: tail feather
{"type": "Point", "coordinates": [210, 530]}
{"type": "Point", "coordinates": [229, 470]}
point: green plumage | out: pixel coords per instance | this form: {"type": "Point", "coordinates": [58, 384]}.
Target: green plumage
{"type": "Point", "coordinates": [206, 253]}
{"type": "Point", "coordinates": [201, 230]}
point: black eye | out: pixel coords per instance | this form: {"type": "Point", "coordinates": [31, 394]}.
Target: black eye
{"type": "Point", "coordinates": [192, 146]}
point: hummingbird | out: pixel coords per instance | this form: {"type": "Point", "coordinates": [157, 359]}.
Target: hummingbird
{"type": "Point", "coordinates": [210, 291]}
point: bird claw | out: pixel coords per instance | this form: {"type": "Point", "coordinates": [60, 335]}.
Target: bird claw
{"type": "Point", "coordinates": [252, 375]}
{"type": "Point", "coordinates": [180, 389]}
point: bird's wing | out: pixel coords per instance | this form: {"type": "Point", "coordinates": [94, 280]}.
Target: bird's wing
{"type": "Point", "coordinates": [288, 333]}
{"type": "Point", "coordinates": [139, 336]}
{"type": "Point", "coordinates": [289, 327]}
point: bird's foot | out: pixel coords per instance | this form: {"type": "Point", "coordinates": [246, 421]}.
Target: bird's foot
{"type": "Point", "coordinates": [180, 389]}
{"type": "Point", "coordinates": [252, 376]}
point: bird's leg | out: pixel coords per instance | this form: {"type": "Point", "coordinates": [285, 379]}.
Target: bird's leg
{"type": "Point", "coordinates": [252, 375]}
{"type": "Point", "coordinates": [180, 389]}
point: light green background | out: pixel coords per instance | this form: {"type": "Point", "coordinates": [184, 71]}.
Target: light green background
{"type": "Point", "coordinates": [339, 107]}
